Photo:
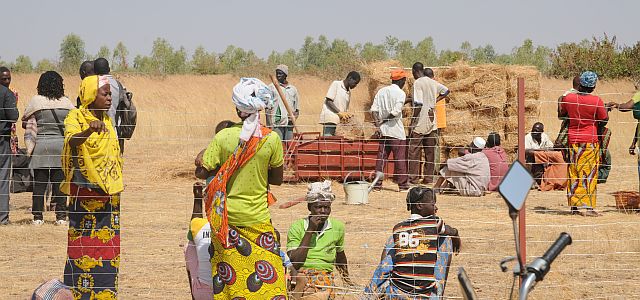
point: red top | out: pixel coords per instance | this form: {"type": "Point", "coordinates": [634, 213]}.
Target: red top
{"type": "Point", "coordinates": [584, 111]}
{"type": "Point", "coordinates": [498, 165]}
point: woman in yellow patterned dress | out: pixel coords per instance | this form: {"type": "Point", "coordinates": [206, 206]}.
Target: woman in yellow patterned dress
{"type": "Point", "coordinates": [242, 161]}
{"type": "Point", "coordinates": [93, 178]}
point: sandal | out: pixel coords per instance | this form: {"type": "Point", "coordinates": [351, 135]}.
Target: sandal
{"type": "Point", "coordinates": [591, 213]}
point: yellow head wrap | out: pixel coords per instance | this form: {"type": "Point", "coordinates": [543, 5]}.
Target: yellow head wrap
{"type": "Point", "coordinates": [89, 88]}
{"type": "Point", "coordinates": [98, 159]}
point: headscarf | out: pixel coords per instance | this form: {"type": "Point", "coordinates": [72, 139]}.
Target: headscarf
{"type": "Point", "coordinates": [89, 88]}
{"type": "Point", "coordinates": [588, 79]}
{"type": "Point", "coordinates": [320, 191]}
{"type": "Point", "coordinates": [283, 68]}
{"type": "Point", "coordinates": [98, 158]}
{"type": "Point", "coordinates": [251, 96]}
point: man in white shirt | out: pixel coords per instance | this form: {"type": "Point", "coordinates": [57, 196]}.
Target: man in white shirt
{"type": "Point", "coordinates": [537, 139]}
{"type": "Point", "coordinates": [387, 114]}
{"type": "Point", "coordinates": [534, 141]}
{"type": "Point", "coordinates": [336, 103]}
{"type": "Point", "coordinates": [424, 133]}
{"type": "Point", "coordinates": [278, 117]}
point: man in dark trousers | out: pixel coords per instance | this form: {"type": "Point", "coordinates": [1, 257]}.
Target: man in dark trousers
{"type": "Point", "coordinates": [8, 116]}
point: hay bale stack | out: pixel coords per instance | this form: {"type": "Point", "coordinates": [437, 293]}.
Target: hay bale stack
{"type": "Point", "coordinates": [475, 87]}
{"type": "Point", "coordinates": [483, 99]}
{"type": "Point", "coordinates": [378, 75]}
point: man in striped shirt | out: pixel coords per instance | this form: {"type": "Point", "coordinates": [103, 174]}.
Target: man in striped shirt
{"type": "Point", "coordinates": [415, 261]}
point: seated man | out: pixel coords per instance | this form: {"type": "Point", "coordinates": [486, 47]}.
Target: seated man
{"type": "Point", "coordinates": [197, 252]}
{"type": "Point", "coordinates": [536, 140]}
{"type": "Point", "coordinates": [415, 261]}
{"type": "Point", "coordinates": [497, 157]}
{"type": "Point", "coordinates": [316, 243]}
{"type": "Point", "coordinates": [468, 175]}
{"type": "Point", "coordinates": [547, 165]}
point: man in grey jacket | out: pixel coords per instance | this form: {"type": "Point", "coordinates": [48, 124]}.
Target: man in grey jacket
{"type": "Point", "coordinates": [8, 116]}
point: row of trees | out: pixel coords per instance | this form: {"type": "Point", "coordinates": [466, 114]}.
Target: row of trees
{"type": "Point", "coordinates": [322, 56]}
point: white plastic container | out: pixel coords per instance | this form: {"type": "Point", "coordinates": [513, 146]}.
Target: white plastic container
{"type": "Point", "coordinates": [356, 192]}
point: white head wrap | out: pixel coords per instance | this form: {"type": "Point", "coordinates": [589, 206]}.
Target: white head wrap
{"type": "Point", "coordinates": [320, 191]}
{"type": "Point", "coordinates": [479, 142]}
{"type": "Point", "coordinates": [251, 96]}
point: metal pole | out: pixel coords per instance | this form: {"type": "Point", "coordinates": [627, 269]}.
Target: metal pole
{"type": "Point", "coordinates": [521, 157]}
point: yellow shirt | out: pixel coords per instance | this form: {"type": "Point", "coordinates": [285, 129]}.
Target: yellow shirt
{"type": "Point", "coordinates": [441, 114]}
{"type": "Point", "coordinates": [247, 188]}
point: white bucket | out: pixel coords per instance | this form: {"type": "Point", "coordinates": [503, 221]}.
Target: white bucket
{"type": "Point", "coordinates": [356, 192]}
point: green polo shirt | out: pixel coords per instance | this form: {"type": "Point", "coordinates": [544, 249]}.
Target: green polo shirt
{"type": "Point", "coordinates": [323, 245]}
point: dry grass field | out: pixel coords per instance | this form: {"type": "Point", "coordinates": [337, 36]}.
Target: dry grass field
{"type": "Point", "coordinates": [177, 115]}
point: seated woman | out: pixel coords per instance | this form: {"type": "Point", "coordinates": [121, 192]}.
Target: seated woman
{"type": "Point", "coordinates": [423, 273]}
{"type": "Point", "coordinates": [497, 157]}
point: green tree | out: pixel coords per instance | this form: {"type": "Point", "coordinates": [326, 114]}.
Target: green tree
{"type": "Point", "coordinates": [313, 55]}
{"type": "Point", "coordinates": [104, 52]}
{"type": "Point", "coordinates": [289, 58]}
{"type": "Point", "coordinates": [234, 59]}
{"type": "Point", "coordinates": [405, 53]}
{"type": "Point", "coordinates": [203, 62]}
{"type": "Point", "coordinates": [341, 57]}
{"type": "Point", "coordinates": [466, 49]}
{"type": "Point", "coordinates": [72, 53]}
{"type": "Point", "coordinates": [120, 54]}
{"type": "Point", "coordinates": [425, 52]}
{"type": "Point", "coordinates": [390, 45]}
{"type": "Point", "coordinates": [528, 54]}
{"type": "Point", "coordinates": [448, 57]}
{"type": "Point", "coordinates": [372, 52]}
{"type": "Point", "coordinates": [44, 65]}
{"type": "Point", "coordinates": [145, 64]}
{"type": "Point", "coordinates": [483, 55]}
{"type": "Point", "coordinates": [22, 65]}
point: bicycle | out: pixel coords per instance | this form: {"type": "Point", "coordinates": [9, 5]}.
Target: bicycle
{"type": "Point", "coordinates": [514, 189]}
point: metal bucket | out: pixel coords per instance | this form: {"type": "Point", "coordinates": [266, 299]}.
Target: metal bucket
{"type": "Point", "coordinates": [356, 192]}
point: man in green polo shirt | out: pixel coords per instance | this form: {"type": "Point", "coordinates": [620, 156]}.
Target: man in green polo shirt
{"type": "Point", "coordinates": [316, 243]}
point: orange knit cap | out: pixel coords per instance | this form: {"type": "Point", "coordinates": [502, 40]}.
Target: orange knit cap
{"type": "Point", "coordinates": [398, 74]}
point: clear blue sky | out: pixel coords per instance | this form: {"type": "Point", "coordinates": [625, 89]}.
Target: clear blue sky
{"type": "Point", "coordinates": [35, 27]}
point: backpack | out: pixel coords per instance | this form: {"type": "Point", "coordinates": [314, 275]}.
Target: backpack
{"type": "Point", "coordinates": [126, 114]}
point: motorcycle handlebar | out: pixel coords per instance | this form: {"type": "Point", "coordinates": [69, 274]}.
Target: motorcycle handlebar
{"type": "Point", "coordinates": [563, 241]}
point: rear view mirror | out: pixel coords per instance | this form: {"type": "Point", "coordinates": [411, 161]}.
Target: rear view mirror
{"type": "Point", "coordinates": [515, 186]}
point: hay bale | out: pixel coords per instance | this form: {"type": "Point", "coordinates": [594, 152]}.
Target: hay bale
{"type": "Point", "coordinates": [531, 77]}
{"type": "Point", "coordinates": [378, 74]}
{"type": "Point", "coordinates": [478, 86]}
{"type": "Point", "coordinates": [460, 100]}
{"type": "Point", "coordinates": [355, 129]}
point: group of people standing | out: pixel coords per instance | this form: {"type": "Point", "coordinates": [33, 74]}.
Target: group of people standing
{"type": "Point", "coordinates": [245, 258]}
{"type": "Point", "coordinates": [74, 151]}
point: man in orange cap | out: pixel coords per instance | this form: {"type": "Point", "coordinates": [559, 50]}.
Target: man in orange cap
{"type": "Point", "coordinates": [387, 114]}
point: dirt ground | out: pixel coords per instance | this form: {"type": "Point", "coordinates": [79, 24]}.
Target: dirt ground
{"type": "Point", "coordinates": [177, 118]}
